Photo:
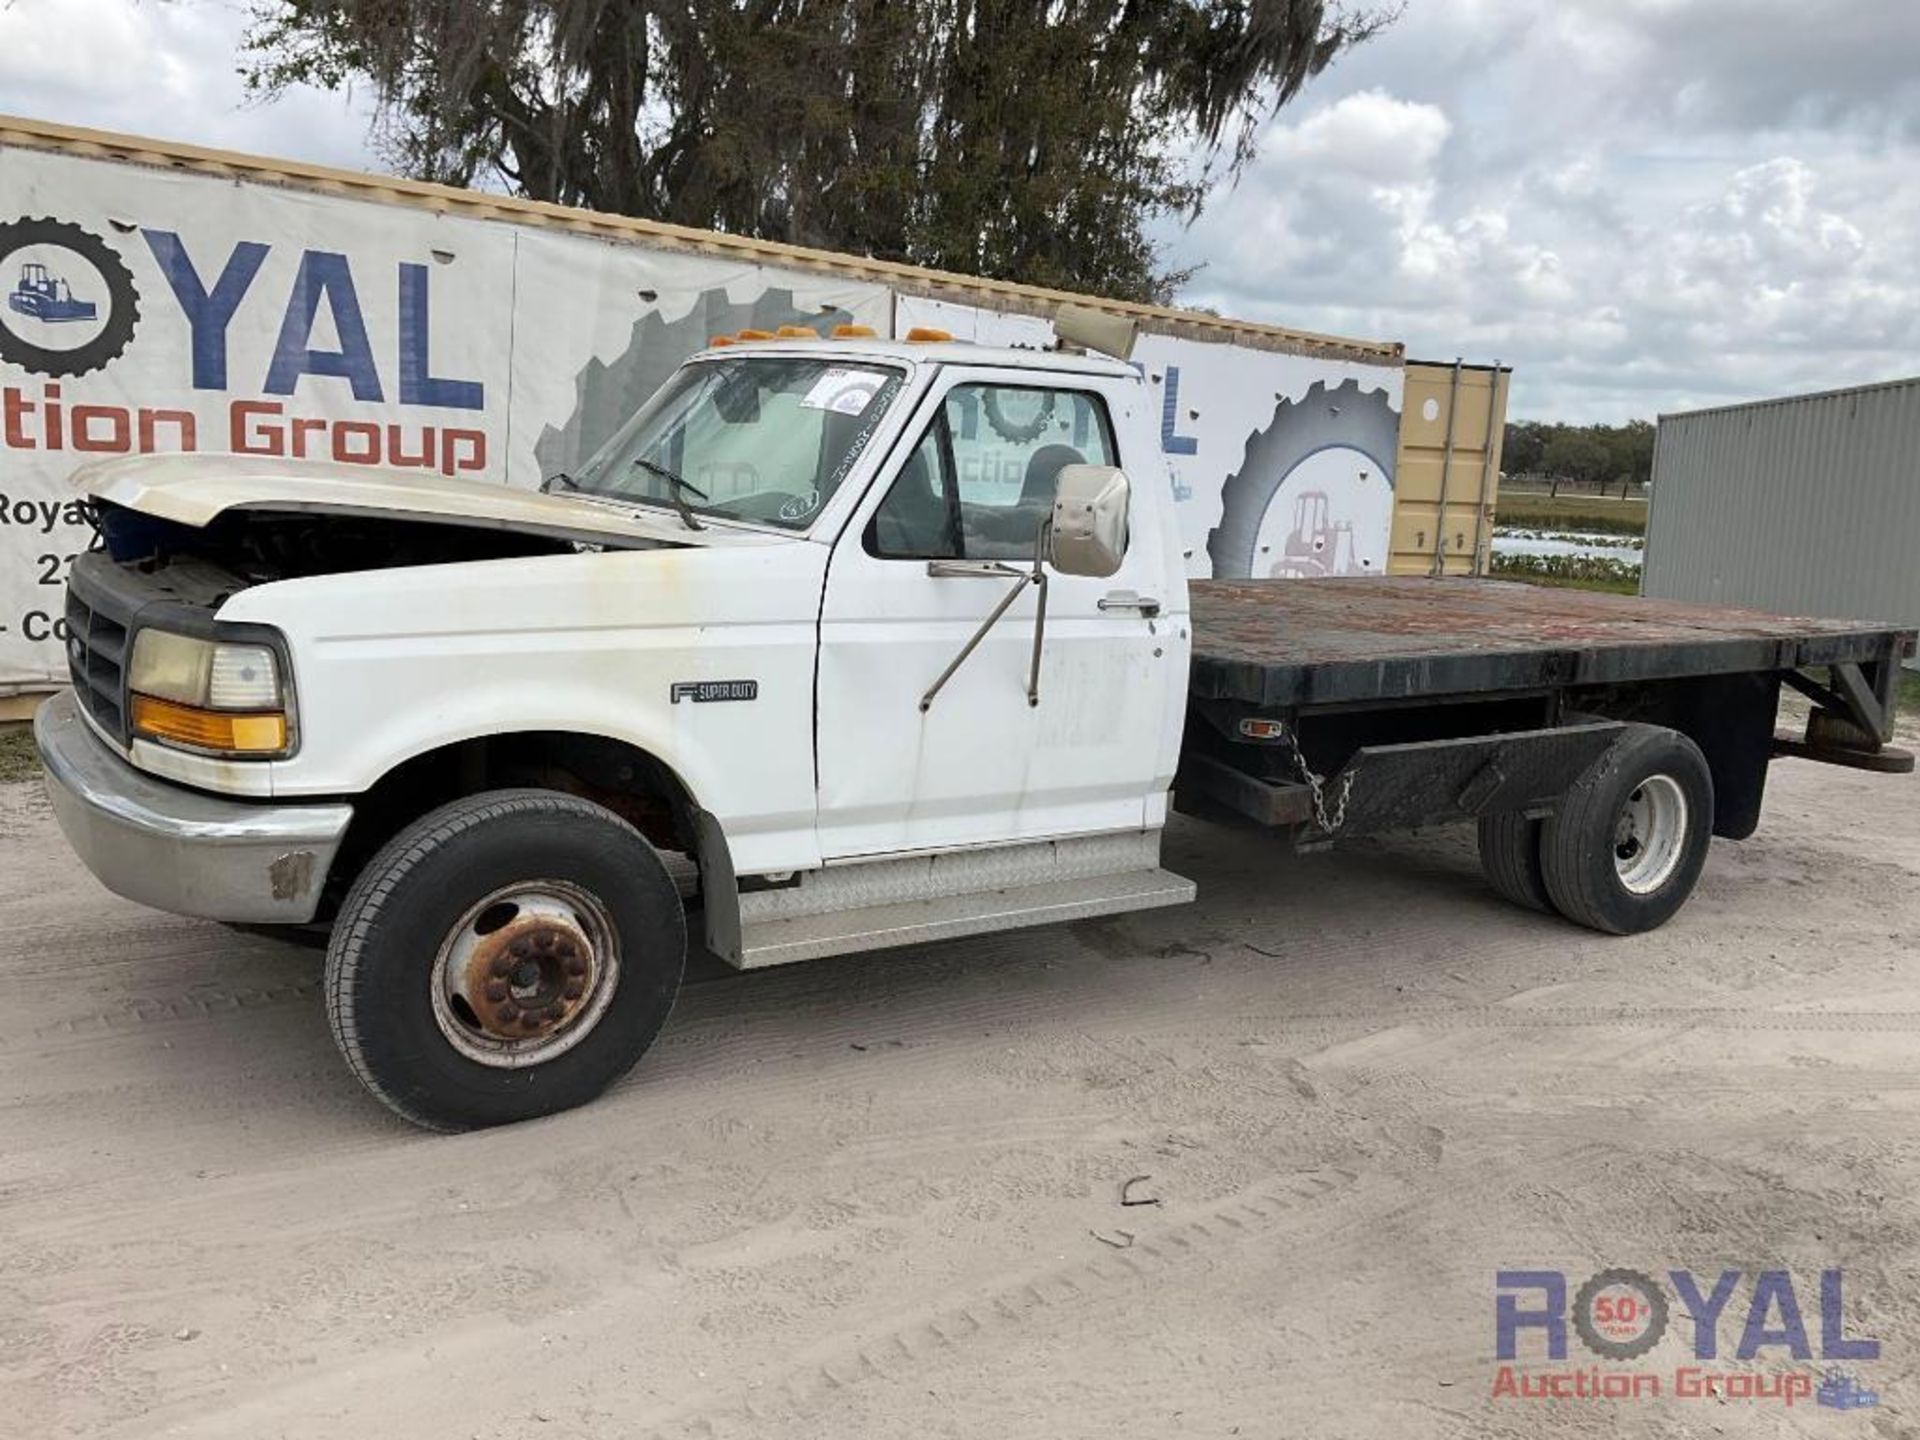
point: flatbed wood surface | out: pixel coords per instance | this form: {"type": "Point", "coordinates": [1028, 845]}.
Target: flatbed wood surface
{"type": "Point", "coordinates": [1340, 641]}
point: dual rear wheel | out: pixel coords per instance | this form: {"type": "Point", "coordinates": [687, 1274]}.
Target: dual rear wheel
{"type": "Point", "coordinates": [1622, 851]}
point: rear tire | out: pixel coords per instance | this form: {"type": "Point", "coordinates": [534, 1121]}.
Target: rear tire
{"type": "Point", "coordinates": [506, 956]}
{"type": "Point", "coordinates": [1510, 859]}
{"type": "Point", "coordinates": [1627, 843]}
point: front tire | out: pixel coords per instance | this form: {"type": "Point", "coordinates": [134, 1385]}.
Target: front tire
{"type": "Point", "coordinates": [506, 956]}
{"type": "Point", "coordinates": [1626, 845]}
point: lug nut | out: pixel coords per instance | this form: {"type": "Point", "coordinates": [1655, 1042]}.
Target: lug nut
{"type": "Point", "coordinates": [500, 966]}
{"type": "Point", "coordinates": [576, 965]}
{"type": "Point", "coordinates": [530, 1021]}
{"type": "Point", "coordinates": [520, 949]}
{"type": "Point", "coordinates": [509, 1013]}
{"type": "Point", "coordinates": [575, 989]}
{"type": "Point", "coordinates": [497, 990]}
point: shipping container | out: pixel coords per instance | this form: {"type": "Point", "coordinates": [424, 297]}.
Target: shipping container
{"type": "Point", "coordinates": [1448, 476]}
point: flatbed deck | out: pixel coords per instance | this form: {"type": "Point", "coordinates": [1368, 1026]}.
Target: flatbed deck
{"type": "Point", "coordinates": [1341, 641]}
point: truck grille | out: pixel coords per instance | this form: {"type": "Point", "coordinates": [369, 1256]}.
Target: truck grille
{"type": "Point", "coordinates": [97, 659]}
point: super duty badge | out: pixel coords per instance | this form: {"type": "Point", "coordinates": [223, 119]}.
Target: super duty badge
{"type": "Point", "coordinates": [703, 692]}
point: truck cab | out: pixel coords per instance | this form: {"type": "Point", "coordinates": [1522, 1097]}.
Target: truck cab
{"type": "Point", "coordinates": [836, 644]}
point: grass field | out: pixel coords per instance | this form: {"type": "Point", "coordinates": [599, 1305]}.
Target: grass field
{"type": "Point", "coordinates": [17, 760]}
{"type": "Point", "coordinates": [1605, 585]}
{"type": "Point", "coordinates": [1590, 513]}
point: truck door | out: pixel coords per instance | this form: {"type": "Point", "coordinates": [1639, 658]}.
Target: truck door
{"type": "Point", "coordinates": [972, 482]}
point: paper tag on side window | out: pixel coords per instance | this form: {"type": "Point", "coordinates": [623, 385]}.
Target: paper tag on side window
{"type": "Point", "coordinates": [845, 392]}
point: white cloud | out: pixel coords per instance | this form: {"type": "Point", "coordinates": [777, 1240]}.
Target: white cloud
{"type": "Point", "coordinates": [1368, 136]}
{"type": "Point", "coordinates": [1640, 204]}
{"type": "Point", "coordinates": [165, 69]}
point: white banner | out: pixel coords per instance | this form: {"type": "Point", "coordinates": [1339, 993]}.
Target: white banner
{"type": "Point", "coordinates": [154, 310]}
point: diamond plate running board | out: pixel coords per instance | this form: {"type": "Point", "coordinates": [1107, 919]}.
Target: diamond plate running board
{"type": "Point", "coordinates": [914, 922]}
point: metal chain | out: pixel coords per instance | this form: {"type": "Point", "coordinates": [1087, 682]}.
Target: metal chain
{"type": "Point", "coordinates": [1316, 786]}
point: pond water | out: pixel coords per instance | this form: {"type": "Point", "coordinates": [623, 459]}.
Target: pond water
{"type": "Point", "coordinates": [1515, 540]}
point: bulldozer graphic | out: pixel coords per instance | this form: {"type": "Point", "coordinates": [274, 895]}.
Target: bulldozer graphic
{"type": "Point", "coordinates": [42, 295]}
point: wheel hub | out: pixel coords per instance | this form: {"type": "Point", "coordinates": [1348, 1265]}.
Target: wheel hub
{"type": "Point", "coordinates": [1650, 834]}
{"type": "Point", "coordinates": [525, 974]}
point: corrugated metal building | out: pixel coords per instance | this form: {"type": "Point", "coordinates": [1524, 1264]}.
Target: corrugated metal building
{"type": "Point", "coordinates": [1808, 505]}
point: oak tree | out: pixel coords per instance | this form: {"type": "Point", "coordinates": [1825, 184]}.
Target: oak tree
{"type": "Point", "coordinates": [1031, 140]}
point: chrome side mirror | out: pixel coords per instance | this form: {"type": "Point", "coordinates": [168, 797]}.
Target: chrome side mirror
{"type": "Point", "coordinates": [1088, 535]}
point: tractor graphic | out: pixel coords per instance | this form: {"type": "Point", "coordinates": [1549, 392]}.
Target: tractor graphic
{"type": "Point", "coordinates": [1318, 545]}
{"type": "Point", "coordinates": [46, 296]}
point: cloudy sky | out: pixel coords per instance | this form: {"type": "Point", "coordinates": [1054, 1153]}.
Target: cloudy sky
{"type": "Point", "coordinates": [1641, 205]}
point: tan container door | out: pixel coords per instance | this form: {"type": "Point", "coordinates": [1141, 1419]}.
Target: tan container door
{"type": "Point", "coordinates": [1448, 472]}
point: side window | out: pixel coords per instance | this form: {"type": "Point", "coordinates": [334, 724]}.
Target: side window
{"type": "Point", "coordinates": [980, 484]}
{"type": "Point", "coordinates": [1009, 444]}
{"type": "Point", "coordinates": [917, 520]}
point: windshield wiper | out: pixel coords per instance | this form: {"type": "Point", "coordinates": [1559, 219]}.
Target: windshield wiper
{"type": "Point", "coordinates": [676, 482]}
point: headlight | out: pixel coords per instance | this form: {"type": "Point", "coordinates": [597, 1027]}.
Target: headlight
{"type": "Point", "coordinates": [213, 695]}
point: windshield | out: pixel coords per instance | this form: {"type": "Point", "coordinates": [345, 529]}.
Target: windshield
{"type": "Point", "coordinates": [766, 439]}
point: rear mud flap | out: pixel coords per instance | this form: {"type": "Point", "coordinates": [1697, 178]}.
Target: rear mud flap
{"type": "Point", "coordinates": [1437, 782]}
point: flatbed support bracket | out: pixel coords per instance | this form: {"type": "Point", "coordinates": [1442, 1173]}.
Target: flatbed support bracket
{"type": "Point", "coordinates": [1861, 698]}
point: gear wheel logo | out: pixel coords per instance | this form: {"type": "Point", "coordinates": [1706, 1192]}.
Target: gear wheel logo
{"type": "Point", "coordinates": [608, 392]}
{"type": "Point", "coordinates": [1325, 417]}
{"type": "Point", "coordinates": [1620, 1314]}
{"type": "Point", "coordinates": [63, 283]}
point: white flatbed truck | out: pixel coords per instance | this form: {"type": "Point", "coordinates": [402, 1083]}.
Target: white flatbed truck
{"type": "Point", "coordinates": [892, 642]}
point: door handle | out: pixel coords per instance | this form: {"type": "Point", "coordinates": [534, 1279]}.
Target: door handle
{"type": "Point", "coordinates": [1127, 600]}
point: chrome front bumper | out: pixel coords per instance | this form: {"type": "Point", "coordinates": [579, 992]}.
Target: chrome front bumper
{"type": "Point", "coordinates": [178, 849]}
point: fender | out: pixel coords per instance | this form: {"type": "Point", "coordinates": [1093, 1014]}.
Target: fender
{"type": "Point", "coordinates": [392, 664]}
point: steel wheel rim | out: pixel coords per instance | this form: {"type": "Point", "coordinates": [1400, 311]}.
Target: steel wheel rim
{"type": "Point", "coordinates": [525, 974]}
{"type": "Point", "coordinates": [1650, 834]}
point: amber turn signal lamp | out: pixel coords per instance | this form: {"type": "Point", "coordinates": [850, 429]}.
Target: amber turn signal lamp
{"type": "Point", "coordinates": [229, 732]}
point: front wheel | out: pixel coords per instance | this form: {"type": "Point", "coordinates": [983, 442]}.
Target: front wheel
{"type": "Point", "coordinates": [1622, 851]}
{"type": "Point", "coordinates": [505, 956]}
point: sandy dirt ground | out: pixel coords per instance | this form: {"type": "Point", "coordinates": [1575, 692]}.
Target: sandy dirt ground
{"type": "Point", "coordinates": [880, 1197]}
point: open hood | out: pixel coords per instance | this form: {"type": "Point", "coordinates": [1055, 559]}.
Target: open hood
{"type": "Point", "coordinates": [195, 489]}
